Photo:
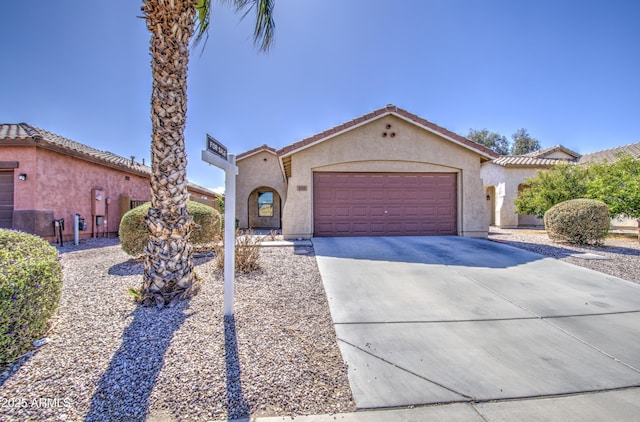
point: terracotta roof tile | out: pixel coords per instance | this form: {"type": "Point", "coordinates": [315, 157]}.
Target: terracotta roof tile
{"type": "Point", "coordinates": [26, 132]}
{"type": "Point", "coordinates": [526, 161]}
{"type": "Point", "coordinates": [263, 147]}
{"type": "Point", "coordinates": [16, 131]}
{"type": "Point", "coordinates": [544, 152]}
{"type": "Point", "coordinates": [611, 154]}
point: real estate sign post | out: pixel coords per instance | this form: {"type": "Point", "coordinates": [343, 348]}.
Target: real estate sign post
{"type": "Point", "coordinates": [216, 155]}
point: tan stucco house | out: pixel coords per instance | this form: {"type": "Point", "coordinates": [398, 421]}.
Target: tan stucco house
{"type": "Point", "coordinates": [389, 172]}
{"type": "Point", "coordinates": [505, 176]}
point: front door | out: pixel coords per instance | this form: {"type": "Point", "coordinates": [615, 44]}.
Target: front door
{"type": "Point", "coordinates": [6, 198]}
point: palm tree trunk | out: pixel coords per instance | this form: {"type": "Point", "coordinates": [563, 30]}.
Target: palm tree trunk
{"type": "Point", "coordinates": [168, 262]}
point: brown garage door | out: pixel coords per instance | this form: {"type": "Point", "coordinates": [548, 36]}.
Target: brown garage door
{"type": "Point", "coordinates": [6, 199]}
{"type": "Point", "coordinates": [384, 204]}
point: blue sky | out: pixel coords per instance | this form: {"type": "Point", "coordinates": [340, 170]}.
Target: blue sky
{"type": "Point", "coordinates": [566, 70]}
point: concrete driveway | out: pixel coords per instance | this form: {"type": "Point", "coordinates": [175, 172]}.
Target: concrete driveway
{"type": "Point", "coordinates": [425, 320]}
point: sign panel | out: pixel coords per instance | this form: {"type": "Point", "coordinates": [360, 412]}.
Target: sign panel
{"type": "Point", "coordinates": [214, 146]}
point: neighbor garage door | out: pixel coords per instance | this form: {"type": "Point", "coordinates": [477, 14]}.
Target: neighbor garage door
{"type": "Point", "coordinates": [384, 204]}
{"type": "Point", "coordinates": [6, 198]}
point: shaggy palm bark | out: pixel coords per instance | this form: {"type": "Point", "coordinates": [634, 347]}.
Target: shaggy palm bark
{"type": "Point", "coordinates": [168, 262]}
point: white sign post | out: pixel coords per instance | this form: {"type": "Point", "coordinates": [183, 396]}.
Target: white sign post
{"type": "Point", "coordinates": [216, 155]}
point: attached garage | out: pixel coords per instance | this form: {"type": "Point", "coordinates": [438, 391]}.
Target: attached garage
{"type": "Point", "coordinates": [384, 204]}
{"type": "Point", "coordinates": [387, 173]}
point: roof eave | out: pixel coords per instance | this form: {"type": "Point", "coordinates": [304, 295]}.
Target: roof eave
{"type": "Point", "coordinates": [252, 153]}
{"type": "Point", "coordinates": [445, 136]}
{"type": "Point", "coordinates": [51, 146]}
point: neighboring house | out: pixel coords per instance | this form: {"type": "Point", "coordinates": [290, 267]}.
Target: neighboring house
{"type": "Point", "coordinates": [45, 177]}
{"type": "Point", "coordinates": [388, 172]}
{"type": "Point", "coordinates": [505, 176]}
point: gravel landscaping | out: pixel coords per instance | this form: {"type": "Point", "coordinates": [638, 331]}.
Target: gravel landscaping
{"type": "Point", "coordinates": [109, 360]}
{"type": "Point", "coordinates": [620, 255]}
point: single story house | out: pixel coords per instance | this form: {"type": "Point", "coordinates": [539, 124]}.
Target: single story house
{"type": "Point", "coordinates": [389, 172]}
{"type": "Point", "coordinates": [46, 177]}
{"type": "Point", "coordinates": [505, 176]}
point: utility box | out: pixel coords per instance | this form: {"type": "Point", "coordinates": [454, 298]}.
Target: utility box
{"type": "Point", "coordinates": [82, 224]}
{"type": "Point", "coordinates": [98, 202]}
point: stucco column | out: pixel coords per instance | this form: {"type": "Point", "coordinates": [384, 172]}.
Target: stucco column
{"type": "Point", "coordinates": [508, 216]}
{"type": "Point", "coordinates": [474, 211]}
{"type": "Point", "coordinates": [296, 220]}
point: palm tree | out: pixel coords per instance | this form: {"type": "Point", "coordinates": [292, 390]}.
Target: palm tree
{"type": "Point", "coordinates": [168, 262]}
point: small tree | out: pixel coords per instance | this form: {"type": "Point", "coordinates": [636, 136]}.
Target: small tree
{"type": "Point", "coordinates": [561, 182]}
{"type": "Point", "coordinates": [491, 140]}
{"type": "Point", "coordinates": [523, 143]}
{"type": "Point", "coordinates": [617, 184]}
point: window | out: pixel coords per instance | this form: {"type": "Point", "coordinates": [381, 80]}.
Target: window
{"type": "Point", "coordinates": [265, 204]}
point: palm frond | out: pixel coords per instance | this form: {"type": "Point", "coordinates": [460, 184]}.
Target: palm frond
{"type": "Point", "coordinates": [264, 28]}
{"type": "Point", "coordinates": [203, 17]}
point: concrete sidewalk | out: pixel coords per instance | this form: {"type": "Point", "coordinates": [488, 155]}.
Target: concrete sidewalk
{"type": "Point", "coordinates": [431, 320]}
{"type": "Point", "coordinates": [619, 405]}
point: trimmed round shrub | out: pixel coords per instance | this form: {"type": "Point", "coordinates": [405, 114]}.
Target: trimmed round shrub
{"type": "Point", "coordinates": [134, 233]}
{"type": "Point", "coordinates": [30, 286]}
{"type": "Point", "coordinates": [578, 221]}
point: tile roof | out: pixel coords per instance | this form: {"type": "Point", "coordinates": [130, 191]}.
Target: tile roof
{"type": "Point", "coordinates": [389, 109]}
{"type": "Point", "coordinates": [611, 154]}
{"type": "Point", "coordinates": [527, 161]}
{"type": "Point", "coordinates": [538, 159]}
{"type": "Point", "coordinates": [544, 152]}
{"type": "Point", "coordinates": [263, 147]}
{"type": "Point", "coordinates": [25, 133]}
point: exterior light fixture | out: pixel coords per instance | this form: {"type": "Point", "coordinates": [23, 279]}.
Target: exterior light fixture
{"type": "Point", "coordinates": [22, 176]}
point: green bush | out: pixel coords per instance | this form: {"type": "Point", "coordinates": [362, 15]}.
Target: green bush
{"type": "Point", "coordinates": [30, 285]}
{"type": "Point", "coordinates": [134, 234]}
{"type": "Point", "coordinates": [578, 221]}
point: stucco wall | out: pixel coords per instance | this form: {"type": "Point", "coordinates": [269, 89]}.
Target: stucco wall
{"type": "Point", "coordinates": [63, 184]}
{"type": "Point", "coordinates": [494, 175]}
{"type": "Point", "coordinates": [365, 149]}
{"type": "Point", "coordinates": [506, 182]}
{"type": "Point", "coordinates": [560, 155]}
{"type": "Point", "coordinates": [623, 223]}
{"type": "Point", "coordinates": [259, 170]}
{"type": "Point", "coordinates": [23, 190]}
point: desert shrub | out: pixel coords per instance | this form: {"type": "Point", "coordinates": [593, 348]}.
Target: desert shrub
{"type": "Point", "coordinates": [134, 234]}
{"type": "Point", "coordinates": [578, 221]}
{"type": "Point", "coordinates": [30, 285]}
{"type": "Point", "coordinates": [247, 252]}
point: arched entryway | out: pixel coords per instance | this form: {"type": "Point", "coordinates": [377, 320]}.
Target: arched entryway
{"type": "Point", "coordinates": [264, 208]}
{"type": "Point", "coordinates": [490, 193]}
